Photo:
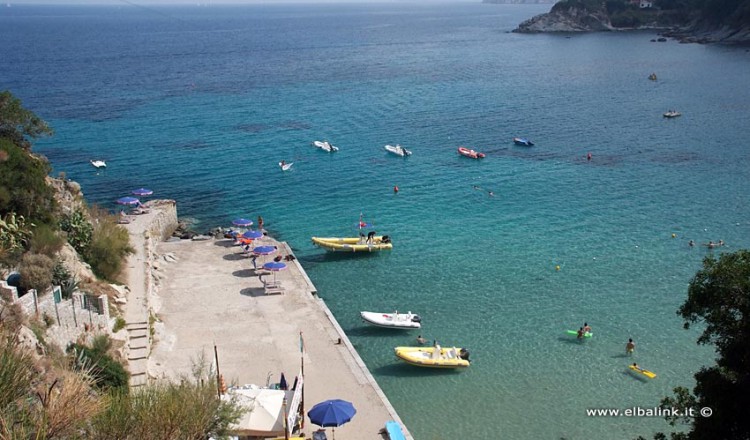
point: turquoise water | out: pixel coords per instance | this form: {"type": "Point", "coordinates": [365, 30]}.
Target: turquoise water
{"type": "Point", "coordinates": [200, 104]}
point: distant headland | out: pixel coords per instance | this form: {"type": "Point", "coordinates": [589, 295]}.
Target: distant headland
{"type": "Point", "coordinates": [693, 21]}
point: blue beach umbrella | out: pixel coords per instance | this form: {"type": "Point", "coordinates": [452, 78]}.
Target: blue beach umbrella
{"type": "Point", "coordinates": [333, 413]}
{"type": "Point", "coordinates": [274, 266]}
{"type": "Point", "coordinates": [252, 234]}
{"type": "Point", "coordinates": [128, 201]}
{"type": "Point", "coordinates": [141, 192]}
{"type": "Point", "coordinates": [243, 222]}
{"type": "Point", "coordinates": [264, 250]}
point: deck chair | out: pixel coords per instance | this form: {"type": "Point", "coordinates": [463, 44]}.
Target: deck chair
{"type": "Point", "coordinates": [320, 435]}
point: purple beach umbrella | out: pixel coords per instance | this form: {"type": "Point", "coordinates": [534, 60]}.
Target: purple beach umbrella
{"type": "Point", "coordinates": [274, 266]}
{"type": "Point", "coordinates": [253, 234]}
{"type": "Point", "coordinates": [141, 192]}
{"type": "Point", "coordinates": [242, 222]}
{"type": "Point", "coordinates": [128, 201]}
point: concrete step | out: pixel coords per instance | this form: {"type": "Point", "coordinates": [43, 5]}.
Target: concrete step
{"type": "Point", "coordinates": [138, 333]}
{"type": "Point", "coordinates": [138, 353]}
{"type": "Point", "coordinates": [136, 325]}
{"type": "Point", "coordinates": [138, 380]}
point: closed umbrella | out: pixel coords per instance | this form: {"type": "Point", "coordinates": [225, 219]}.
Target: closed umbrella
{"type": "Point", "coordinates": [333, 413]}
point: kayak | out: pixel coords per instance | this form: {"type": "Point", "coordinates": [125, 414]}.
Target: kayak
{"type": "Point", "coordinates": [575, 333]}
{"type": "Point", "coordinates": [649, 374]}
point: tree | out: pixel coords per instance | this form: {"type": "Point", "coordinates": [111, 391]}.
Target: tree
{"type": "Point", "coordinates": [19, 124]}
{"type": "Point", "coordinates": [719, 297]}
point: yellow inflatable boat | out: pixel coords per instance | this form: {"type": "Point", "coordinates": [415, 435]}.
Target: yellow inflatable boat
{"type": "Point", "coordinates": [353, 244]}
{"type": "Point", "coordinates": [434, 357]}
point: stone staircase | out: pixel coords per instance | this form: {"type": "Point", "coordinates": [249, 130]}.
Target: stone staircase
{"type": "Point", "coordinates": [138, 349]}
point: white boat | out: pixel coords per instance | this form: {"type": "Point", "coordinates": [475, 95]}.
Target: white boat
{"type": "Point", "coordinates": [398, 150]}
{"type": "Point", "coordinates": [98, 163]}
{"type": "Point", "coordinates": [407, 320]}
{"type": "Point", "coordinates": [325, 146]}
{"type": "Point", "coordinates": [285, 166]}
{"type": "Point", "coordinates": [672, 114]}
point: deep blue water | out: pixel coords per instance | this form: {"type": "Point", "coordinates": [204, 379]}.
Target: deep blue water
{"type": "Point", "coordinates": [200, 103]}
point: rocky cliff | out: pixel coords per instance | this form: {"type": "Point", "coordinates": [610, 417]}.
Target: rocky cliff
{"type": "Point", "coordinates": [567, 19]}
{"type": "Point", "coordinates": [702, 21]}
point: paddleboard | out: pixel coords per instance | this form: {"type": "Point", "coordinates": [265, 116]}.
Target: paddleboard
{"type": "Point", "coordinates": [575, 333]}
{"type": "Point", "coordinates": [646, 373]}
{"type": "Point", "coordinates": [286, 166]}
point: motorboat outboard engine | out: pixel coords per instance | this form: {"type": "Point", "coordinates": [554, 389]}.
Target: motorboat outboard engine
{"type": "Point", "coordinates": [464, 354]}
{"type": "Point", "coordinates": [416, 318]}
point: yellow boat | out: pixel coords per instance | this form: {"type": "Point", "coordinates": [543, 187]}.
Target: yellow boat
{"type": "Point", "coordinates": [434, 357]}
{"type": "Point", "coordinates": [353, 244]}
{"type": "Point", "coordinates": [637, 369]}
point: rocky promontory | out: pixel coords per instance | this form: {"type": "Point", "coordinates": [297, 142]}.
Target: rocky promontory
{"type": "Point", "coordinates": [702, 22]}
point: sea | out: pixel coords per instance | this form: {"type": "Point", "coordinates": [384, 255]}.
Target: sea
{"type": "Point", "coordinates": [501, 255]}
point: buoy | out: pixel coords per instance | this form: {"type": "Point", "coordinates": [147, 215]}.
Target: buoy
{"type": "Point", "coordinates": [395, 189]}
{"type": "Point", "coordinates": [557, 267]}
{"type": "Point", "coordinates": [674, 235]}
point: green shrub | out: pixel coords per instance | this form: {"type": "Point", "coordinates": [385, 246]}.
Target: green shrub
{"type": "Point", "coordinates": [110, 246]}
{"type": "Point", "coordinates": [23, 184]}
{"type": "Point", "coordinates": [119, 324]}
{"type": "Point", "coordinates": [60, 273]}
{"type": "Point", "coordinates": [46, 240]}
{"type": "Point", "coordinates": [79, 230]}
{"type": "Point", "coordinates": [36, 272]}
{"type": "Point", "coordinates": [107, 373]}
{"type": "Point", "coordinates": [188, 410]}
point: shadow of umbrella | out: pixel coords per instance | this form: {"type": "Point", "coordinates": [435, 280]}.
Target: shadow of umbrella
{"type": "Point", "coordinates": [332, 413]}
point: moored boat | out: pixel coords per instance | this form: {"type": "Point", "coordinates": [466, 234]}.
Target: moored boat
{"type": "Point", "coordinates": [467, 152]}
{"type": "Point", "coordinates": [98, 163]}
{"type": "Point", "coordinates": [522, 141]}
{"type": "Point", "coordinates": [398, 150]}
{"type": "Point", "coordinates": [325, 146]}
{"type": "Point", "coordinates": [672, 114]}
{"type": "Point", "coordinates": [434, 357]}
{"type": "Point", "coordinates": [353, 244]}
{"type": "Point", "coordinates": [397, 320]}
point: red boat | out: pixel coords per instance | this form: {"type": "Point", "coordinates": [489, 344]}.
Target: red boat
{"type": "Point", "coordinates": [463, 151]}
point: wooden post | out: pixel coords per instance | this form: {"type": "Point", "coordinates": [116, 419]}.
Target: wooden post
{"type": "Point", "coordinates": [218, 374]}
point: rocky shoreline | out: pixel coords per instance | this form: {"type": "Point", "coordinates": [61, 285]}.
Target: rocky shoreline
{"type": "Point", "coordinates": [574, 19]}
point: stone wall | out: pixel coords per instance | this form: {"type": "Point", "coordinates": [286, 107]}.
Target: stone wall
{"type": "Point", "coordinates": [165, 221]}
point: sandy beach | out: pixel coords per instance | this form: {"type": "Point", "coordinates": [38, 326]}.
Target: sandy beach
{"type": "Point", "coordinates": [206, 293]}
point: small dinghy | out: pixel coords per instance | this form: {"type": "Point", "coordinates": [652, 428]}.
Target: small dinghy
{"type": "Point", "coordinates": [523, 142]}
{"type": "Point", "coordinates": [398, 150]}
{"type": "Point", "coordinates": [467, 152]}
{"type": "Point", "coordinates": [325, 146]}
{"type": "Point", "coordinates": [672, 114]}
{"type": "Point", "coordinates": [407, 320]}
{"type": "Point", "coordinates": [98, 163]}
{"type": "Point", "coordinates": [285, 166]}
{"type": "Point", "coordinates": [434, 357]}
